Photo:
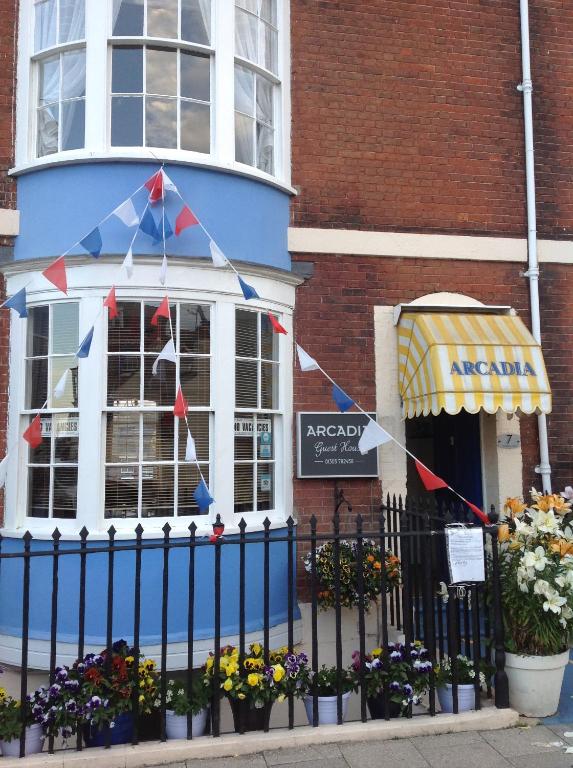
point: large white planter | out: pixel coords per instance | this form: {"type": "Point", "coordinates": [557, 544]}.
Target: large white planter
{"type": "Point", "coordinates": [176, 725]}
{"type": "Point", "coordinates": [327, 708]}
{"type": "Point", "coordinates": [535, 683]}
{"type": "Point", "coordinates": [466, 698]}
{"type": "Point", "coordinates": [34, 743]}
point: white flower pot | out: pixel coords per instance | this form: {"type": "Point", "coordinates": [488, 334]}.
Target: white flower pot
{"type": "Point", "coordinates": [327, 709]}
{"type": "Point", "coordinates": [34, 742]}
{"type": "Point", "coordinates": [176, 725]}
{"type": "Point", "coordinates": [535, 682]}
{"type": "Point", "coordinates": [466, 697]}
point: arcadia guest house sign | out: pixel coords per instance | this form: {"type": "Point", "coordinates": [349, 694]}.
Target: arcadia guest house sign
{"type": "Point", "coordinates": [327, 446]}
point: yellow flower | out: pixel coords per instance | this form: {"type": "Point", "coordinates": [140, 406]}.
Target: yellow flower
{"type": "Point", "coordinates": [562, 547]}
{"type": "Point", "coordinates": [141, 698]}
{"type": "Point", "coordinates": [228, 684]}
{"type": "Point", "coordinates": [278, 673]}
{"type": "Point", "coordinates": [241, 696]}
{"type": "Point", "coordinates": [503, 533]}
{"type": "Point", "coordinates": [232, 669]}
{"type": "Point", "coordinates": [552, 501]}
{"type": "Point", "coordinates": [514, 507]}
{"type": "Point", "coordinates": [129, 659]}
{"type": "Point", "coordinates": [209, 663]}
{"type": "Point", "coordinates": [253, 679]}
{"type": "Point", "coordinates": [377, 652]}
{"type": "Point", "coordinates": [256, 649]}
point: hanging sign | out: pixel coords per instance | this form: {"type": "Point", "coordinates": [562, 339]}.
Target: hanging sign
{"type": "Point", "coordinates": [327, 446]}
{"type": "Point", "coordinates": [466, 558]}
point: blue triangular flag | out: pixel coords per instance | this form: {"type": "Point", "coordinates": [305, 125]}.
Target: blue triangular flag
{"type": "Point", "coordinates": [168, 231]}
{"type": "Point", "coordinates": [341, 399]}
{"type": "Point", "coordinates": [202, 496]}
{"type": "Point", "coordinates": [148, 226]}
{"type": "Point", "coordinates": [92, 243]}
{"type": "Point", "coordinates": [18, 302]}
{"type": "Point", "coordinates": [248, 290]}
{"type": "Point", "coordinates": [84, 349]}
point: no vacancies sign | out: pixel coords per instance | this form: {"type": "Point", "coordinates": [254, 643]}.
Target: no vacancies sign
{"type": "Point", "coordinates": [327, 446]}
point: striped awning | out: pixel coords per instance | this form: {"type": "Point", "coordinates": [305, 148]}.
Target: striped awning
{"type": "Point", "coordinates": [452, 361]}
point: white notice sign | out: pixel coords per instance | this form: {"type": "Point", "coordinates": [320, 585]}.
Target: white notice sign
{"type": "Point", "coordinates": [465, 554]}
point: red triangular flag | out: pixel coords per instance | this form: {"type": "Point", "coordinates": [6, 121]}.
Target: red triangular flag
{"type": "Point", "coordinates": [277, 327]}
{"type": "Point", "coordinates": [186, 218]}
{"type": "Point", "coordinates": [56, 274]}
{"type": "Point", "coordinates": [161, 311]}
{"type": "Point", "coordinates": [33, 434]}
{"type": "Point", "coordinates": [431, 481]}
{"type": "Point", "coordinates": [477, 511]}
{"type": "Point", "coordinates": [155, 187]}
{"type": "Point", "coordinates": [180, 407]}
{"type": "Point", "coordinates": [111, 304]}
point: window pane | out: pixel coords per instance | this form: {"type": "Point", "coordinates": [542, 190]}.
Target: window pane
{"type": "Point", "coordinates": [72, 21]}
{"type": "Point", "coordinates": [73, 124]}
{"type": "Point", "coordinates": [249, 5]}
{"type": "Point", "coordinates": [265, 438]}
{"type": "Point", "coordinates": [246, 35]}
{"type": "Point", "coordinates": [269, 11]}
{"type": "Point", "coordinates": [36, 382]}
{"type": "Point", "coordinates": [123, 381]}
{"type": "Point", "coordinates": [65, 492]}
{"type": "Point", "coordinates": [121, 491]}
{"type": "Point", "coordinates": [158, 436]}
{"type": "Point", "coordinates": [161, 123]}
{"type": "Point", "coordinates": [265, 91]}
{"type": "Point", "coordinates": [123, 333]}
{"type": "Point", "coordinates": [244, 140]}
{"type": "Point", "coordinates": [199, 426]}
{"type": "Point", "coordinates": [73, 74]}
{"type": "Point", "coordinates": [48, 130]}
{"type": "Point", "coordinates": [38, 328]}
{"type": "Point", "coordinates": [194, 329]}
{"type": "Point", "coordinates": [189, 480]}
{"type": "Point", "coordinates": [244, 501]}
{"type": "Point", "coordinates": [69, 398]}
{"type": "Point", "coordinates": [155, 337]}
{"type": "Point", "coordinates": [162, 18]}
{"type": "Point", "coordinates": [126, 121]}
{"type": "Point", "coordinates": [39, 492]}
{"type": "Point", "coordinates": [49, 77]}
{"type": "Point", "coordinates": [65, 318]}
{"type": "Point", "coordinates": [246, 324]}
{"type": "Point", "coordinates": [269, 385]}
{"type": "Point", "coordinates": [45, 25]}
{"type": "Point", "coordinates": [157, 486]}
{"type": "Point", "coordinates": [161, 71]}
{"type": "Point", "coordinates": [122, 438]}
{"type": "Point", "coordinates": [265, 487]}
{"type": "Point", "coordinates": [127, 69]}
{"type": "Point", "coordinates": [268, 40]}
{"type": "Point", "coordinates": [246, 384]}
{"type": "Point", "coordinates": [41, 454]}
{"type": "Point", "coordinates": [265, 148]}
{"type": "Point", "coordinates": [269, 340]}
{"type": "Point", "coordinates": [244, 91]}
{"type": "Point", "coordinates": [195, 127]}
{"type": "Point", "coordinates": [65, 429]}
{"type": "Point", "coordinates": [196, 21]}
{"type": "Point", "coordinates": [244, 426]}
{"type": "Point", "coordinates": [159, 389]}
{"type": "Point", "coordinates": [195, 76]}
{"type": "Point", "coordinates": [194, 376]}
{"type": "Point", "coordinates": [128, 17]}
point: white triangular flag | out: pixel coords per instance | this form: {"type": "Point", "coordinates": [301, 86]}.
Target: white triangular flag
{"type": "Point", "coordinates": [3, 471]}
{"type": "Point", "coordinates": [128, 264]}
{"type": "Point", "coordinates": [167, 353]}
{"type": "Point", "coordinates": [127, 213]}
{"type": "Point", "coordinates": [190, 450]}
{"type": "Point", "coordinates": [219, 258]}
{"type": "Point", "coordinates": [163, 271]}
{"type": "Point", "coordinates": [167, 183]}
{"type": "Point", "coordinates": [60, 387]}
{"type": "Point", "coordinates": [306, 362]}
{"type": "Point", "coordinates": [372, 437]}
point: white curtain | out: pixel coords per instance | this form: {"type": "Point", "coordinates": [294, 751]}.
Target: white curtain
{"type": "Point", "coordinates": [244, 123]}
{"type": "Point", "coordinates": [246, 35]}
{"type": "Point", "coordinates": [72, 20]}
{"type": "Point", "coordinates": [45, 16]}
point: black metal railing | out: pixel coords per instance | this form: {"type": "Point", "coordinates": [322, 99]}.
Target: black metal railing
{"type": "Point", "coordinates": [447, 621]}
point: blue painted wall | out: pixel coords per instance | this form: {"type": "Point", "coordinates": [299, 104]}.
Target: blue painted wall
{"type": "Point", "coordinates": [11, 584]}
{"type": "Point", "coordinates": [58, 206]}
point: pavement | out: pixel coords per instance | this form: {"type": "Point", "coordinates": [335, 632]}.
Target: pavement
{"type": "Point", "coordinates": [531, 746]}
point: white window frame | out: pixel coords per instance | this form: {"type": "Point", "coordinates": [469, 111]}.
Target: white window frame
{"type": "Point", "coordinates": [98, 95]}
{"type": "Point", "coordinates": [90, 285]}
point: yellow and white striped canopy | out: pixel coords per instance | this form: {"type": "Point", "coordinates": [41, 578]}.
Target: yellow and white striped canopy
{"type": "Point", "coordinates": [452, 361]}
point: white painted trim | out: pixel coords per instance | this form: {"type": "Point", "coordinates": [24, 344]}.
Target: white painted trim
{"type": "Point", "coordinates": [9, 222]}
{"type": "Point", "coordinates": [424, 246]}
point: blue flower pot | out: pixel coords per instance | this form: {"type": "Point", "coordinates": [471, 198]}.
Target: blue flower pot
{"type": "Point", "coordinates": [121, 733]}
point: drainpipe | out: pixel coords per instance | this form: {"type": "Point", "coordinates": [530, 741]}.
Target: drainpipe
{"type": "Point", "coordinates": [526, 87]}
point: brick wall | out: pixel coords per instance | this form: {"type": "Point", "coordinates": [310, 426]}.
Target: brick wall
{"type": "Point", "coordinates": [406, 115]}
{"type": "Point", "coordinates": [335, 323]}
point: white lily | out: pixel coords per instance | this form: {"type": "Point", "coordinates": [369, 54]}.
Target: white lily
{"type": "Point", "coordinates": [535, 559]}
{"type": "Point", "coordinates": [546, 522]}
{"type": "Point", "coordinates": [554, 603]}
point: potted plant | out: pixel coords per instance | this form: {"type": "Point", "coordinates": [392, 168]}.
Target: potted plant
{"type": "Point", "coordinates": [465, 676]}
{"type": "Point", "coordinates": [58, 708]}
{"type": "Point", "coordinates": [11, 728]}
{"type": "Point", "coordinates": [180, 704]}
{"type": "Point", "coordinates": [325, 684]}
{"type": "Point", "coordinates": [404, 674]}
{"type": "Point", "coordinates": [536, 572]}
{"type": "Point", "coordinates": [372, 559]}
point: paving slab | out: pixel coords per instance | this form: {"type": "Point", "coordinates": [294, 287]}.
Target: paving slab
{"type": "Point", "coordinates": [330, 762]}
{"type": "Point", "coordinates": [246, 761]}
{"type": "Point", "coordinates": [389, 754]}
{"type": "Point", "coordinates": [446, 740]}
{"type": "Point", "coordinates": [523, 741]}
{"type": "Point", "coordinates": [292, 755]}
{"type": "Point", "coordinates": [551, 760]}
{"type": "Point", "coordinates": [476, 755]}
